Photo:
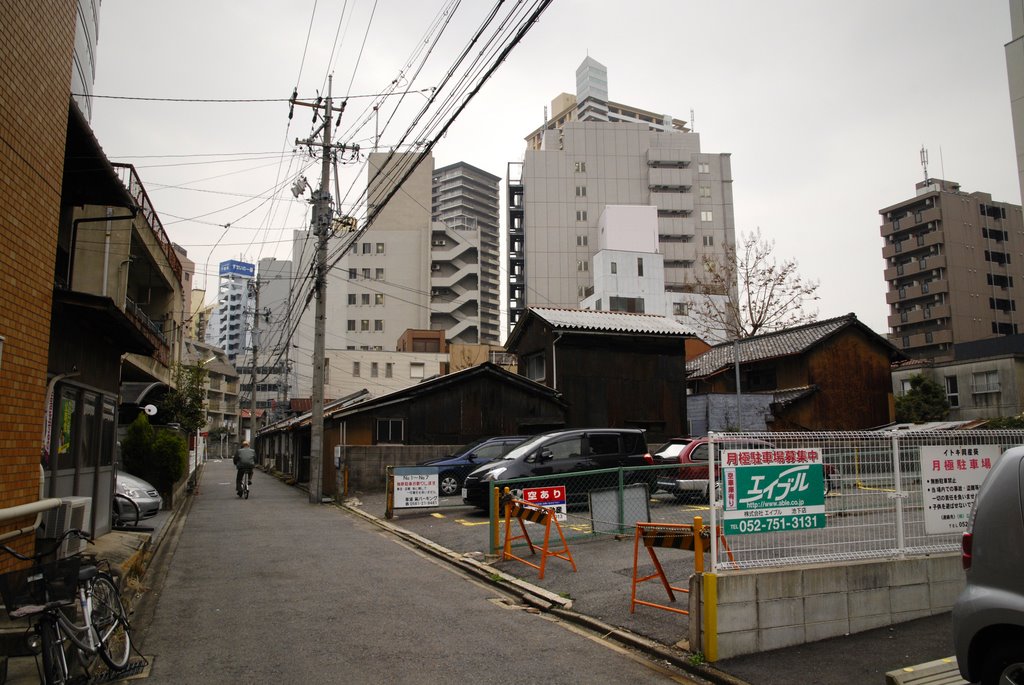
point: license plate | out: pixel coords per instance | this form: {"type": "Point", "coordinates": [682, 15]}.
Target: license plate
{"type": "Point", "coordinates": [465, 493]}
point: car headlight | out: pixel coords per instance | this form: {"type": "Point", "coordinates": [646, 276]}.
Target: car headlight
{"type": "Point", "coordinates": [132, 493]}
{"type": "Point", "coordinates": [494, 473]}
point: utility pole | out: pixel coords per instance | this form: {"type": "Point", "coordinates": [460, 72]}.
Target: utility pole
{"type": "Point", "coordinates": [254, 286]}
{"type": "Point", "coordinates": [322, 227]}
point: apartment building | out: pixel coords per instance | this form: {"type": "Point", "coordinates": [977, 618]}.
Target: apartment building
{"type": "Point", "coordinates": [1015, 76]}
{"type": "Point", "coordinates": [228, 328]}
{"type": "Point", "coordinates": [594, 154]}
{"type": "Point", "coordinates": [465, 290]}
{"type": "Point", "coordinates": [953, 267]}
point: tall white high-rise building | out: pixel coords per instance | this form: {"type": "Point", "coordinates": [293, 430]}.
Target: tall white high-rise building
{"type": "Point", "coordinates": [228, 327]}
{"type": "Point", "coordinates": [592, 155]}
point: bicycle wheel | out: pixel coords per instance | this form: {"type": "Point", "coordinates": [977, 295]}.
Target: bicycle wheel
{"type": "Point", "coordinates": [110, 623]}
{"type": "Point", "coordinates": [245, 485]}
{"type": "Point", "coordinates": [55, 667]}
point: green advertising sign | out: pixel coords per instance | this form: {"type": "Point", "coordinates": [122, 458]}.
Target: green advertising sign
{"type": "Point", "coordinates": [770, 494]}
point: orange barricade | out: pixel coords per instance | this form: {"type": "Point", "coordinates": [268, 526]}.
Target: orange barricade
{"type": "Point", "coordinates": [673, 536]}
{"type": "Point", "coordinates": [519, 510]}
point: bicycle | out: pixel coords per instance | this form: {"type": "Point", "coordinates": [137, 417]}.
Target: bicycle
{"type": "Point", "coordinates": [243, 491]}
{"type": "Point", "coordinates": [47, 593]}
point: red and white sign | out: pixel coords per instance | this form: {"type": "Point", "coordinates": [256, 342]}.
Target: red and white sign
{"type": "Point", "coordinates": [552, 497]}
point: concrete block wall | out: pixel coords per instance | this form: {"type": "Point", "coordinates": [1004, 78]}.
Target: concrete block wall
{"type": "Point", "coordinates": [764, 609]}
{"type": "Point", "coordinates": [36, 44]}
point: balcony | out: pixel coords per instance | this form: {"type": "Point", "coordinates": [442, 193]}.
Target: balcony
{"type": "Point", "coordinates": [913, 245]}
{"type": "Point", "coordinates": [915, 267]}
{"type": "Point", "coordinates": [672, 201]}
{"type": "Point", "coordinates": [910, 221]}
{"type": "Point", "coordinates": [670, 178]}
{"type": "Point", "coordinates": [918, 316]}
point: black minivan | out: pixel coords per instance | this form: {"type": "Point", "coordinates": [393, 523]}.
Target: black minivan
{"type": "Point", "coordinates": [561, 453]}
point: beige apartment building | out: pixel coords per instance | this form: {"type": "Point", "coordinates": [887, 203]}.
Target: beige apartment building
{"type": "Point", "coordinates": [954, 266]}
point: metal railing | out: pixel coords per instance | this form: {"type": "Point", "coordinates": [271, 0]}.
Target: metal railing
{"type": "Point", "coordinates": [893, 494]}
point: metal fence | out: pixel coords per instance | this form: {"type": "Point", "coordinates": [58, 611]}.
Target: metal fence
{"type": "Point", "coordinates": [890, 494]}
{"type": "Point", "coordinates": [603, 503]}
{"type": "Point", "coordinates": [894, 493]}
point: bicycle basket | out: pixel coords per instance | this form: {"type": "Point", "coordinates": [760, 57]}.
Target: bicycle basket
{"type": "Point", "coordinates": [53, 583]}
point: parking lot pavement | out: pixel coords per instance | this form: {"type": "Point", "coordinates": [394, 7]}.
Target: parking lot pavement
{"type": "Point", "coordinates": [601, 588]}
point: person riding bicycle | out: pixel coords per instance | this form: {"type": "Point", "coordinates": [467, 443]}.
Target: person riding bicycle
{"type": "Point", "coordinates": [245, 459]}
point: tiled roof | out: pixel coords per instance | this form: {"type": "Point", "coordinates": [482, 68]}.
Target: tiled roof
{"type": "Point", "coordinates": [617, 322]}
{"type": "Point", "coordinates": [768, 346]}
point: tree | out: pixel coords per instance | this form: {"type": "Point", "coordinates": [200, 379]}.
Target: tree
{"type": "Point", "coordinates": [757, 294]}
{"type": "Point", "coordinates": [183, 404]}
{"type": "Point", "coordinates": [159, 457]}
{"type": "Point", "coordinates": [924, 401]}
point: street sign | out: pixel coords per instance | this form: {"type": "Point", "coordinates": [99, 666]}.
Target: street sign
{"type": "Point", "coordinates": [950, 478]}
{"type": "Point", "coordinates": [773, 490]}
{"type": "Point", "coordinates": [552, 497]}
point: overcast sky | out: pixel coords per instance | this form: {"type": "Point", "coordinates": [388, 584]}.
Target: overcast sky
{"type": "Point", "coordinates": [824, 107]}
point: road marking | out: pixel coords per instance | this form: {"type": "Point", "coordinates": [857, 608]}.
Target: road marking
{"type": "Point", "coordinates": [472, 523]}
{"type": "Point", "coordinates": [438, 516]}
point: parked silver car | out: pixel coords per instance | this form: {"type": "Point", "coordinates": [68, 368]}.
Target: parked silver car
{"type": "Point", "coordinates": [988, 618]}
{"type": "Point", "coordinates": [135, 499]}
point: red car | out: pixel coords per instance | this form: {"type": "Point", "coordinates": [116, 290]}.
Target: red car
{"type": "Point", "coordinates": [692, 478]}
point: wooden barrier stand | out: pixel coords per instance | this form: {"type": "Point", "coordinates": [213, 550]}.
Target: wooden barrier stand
{"type": "Point", "coordinates": [673, 536]}
{"type": "Point", "coordinates": [520, 510]}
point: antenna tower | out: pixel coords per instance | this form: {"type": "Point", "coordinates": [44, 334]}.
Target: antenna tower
{"type": "Point", "coordinates": [924, 162]}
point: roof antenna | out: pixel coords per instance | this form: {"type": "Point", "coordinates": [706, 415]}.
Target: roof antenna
{"type": "Point", "coordinates": [924, 162]}
{"type": "Point", "coordinates": [692, 128]}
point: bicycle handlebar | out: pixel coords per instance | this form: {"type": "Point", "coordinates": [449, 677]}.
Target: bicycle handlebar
{"type": "Point", "coordinates": [82, 535]}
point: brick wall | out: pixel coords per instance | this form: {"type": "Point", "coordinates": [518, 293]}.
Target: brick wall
{"type": "Point", "coordinates": [36, 46]}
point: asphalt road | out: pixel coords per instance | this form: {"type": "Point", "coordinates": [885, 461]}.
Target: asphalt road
{"type": "Point", "coordinates": [274, 589]}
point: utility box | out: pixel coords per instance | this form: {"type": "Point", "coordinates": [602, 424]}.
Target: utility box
{"type": "Point", "coordinates": [74, 513]}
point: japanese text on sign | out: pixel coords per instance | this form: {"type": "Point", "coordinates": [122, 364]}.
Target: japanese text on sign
{"type": "Point", "coordinates": [415, 487]}
{"type": "Point", "coordinates": [950, 478]}
{"type": "Point", "coordinates": [552, 496]}
{"type": "Point", "coordinates": [773, 490]}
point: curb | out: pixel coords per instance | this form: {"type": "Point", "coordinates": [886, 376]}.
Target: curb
{"type": "Point", "coordinates": [557, 605]}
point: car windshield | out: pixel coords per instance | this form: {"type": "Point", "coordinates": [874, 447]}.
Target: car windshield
{"type": "Point", "coordinates": [671, 450]}
{"type": "Point", "coordinates": [524, 448]}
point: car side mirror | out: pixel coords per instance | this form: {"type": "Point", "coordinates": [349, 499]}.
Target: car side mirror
{"type": "Point", "coordinates": [545, 455]}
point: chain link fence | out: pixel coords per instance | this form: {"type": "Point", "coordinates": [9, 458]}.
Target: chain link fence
{"type": "Point", "coordinates": [891, 494]}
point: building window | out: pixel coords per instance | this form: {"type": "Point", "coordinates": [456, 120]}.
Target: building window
{"type": "Point", "coordinates": [581, 215]}
{"type": "Point", "coordinates": [378, 299]}
{"type": "Point", "coordinates": [351, 324]}
{"type": "Point", "coordinates": [351, 274]}
{"type": "Point", "coordinates": [706, 215]}
{"type": "Point", "coordinates": [985, 382]}
{"type": "Point", "coordinates": [581, 191]}
{"type": "Point", "coordinates": [905, 386]}
{"type": "Point", "coordinates": [366, 298]}
{"type": "Point", "coordinates": [351, 298]}
{"type": "Point", "coordinates": [390, 430]}
{"type": "Point", "coordinates": [680, 308]}
{"type": "Point", "coordinates": [364, 325]}
{"type": "Point", "coordinates": [709, 241]}
{"type": "Point", "coordinates": [380, 275]}
{"type": "Point", "coordinates": [705, 192]}
{"type": "Point", "coordinates": [614, 268]}
{"type": "Point", "coordinates": [581, 167]}
{"type": "Point", "coordinates": [380, 248]}
{"type": "Point", "coordinates": [378, 325]}
{"type": "Point", "coordinates": [703, 168]}
{"type": "Point", "coordinates": [952, 391]}
{"type": "Point", "coordinates": [355, 369]}
{"type": "Point", "coordinates": [924, 287]}
{"type": "Point", "coordinates": [389, 370]}
{"type": "Point", "coordinates": [367, 248]}
{"type": "Point", "coordinates": [928, 337]}
{"type": "Point", "coordinates": [374, 369]}
{"type": "Point", "coordinates": [583, 265]}
{"type": "Point", "coordinates": [639, 266]}
{"type": "Point", "coordinates": [416, 370]}
{"type": "Point", "coordinates": [533, 367]}
{"type": "Point", "coordinates": [581, 241]}
{"type": "Point", "coordinates": [366, 274]}
{"type": "Point", "coordinates": [904, 316]}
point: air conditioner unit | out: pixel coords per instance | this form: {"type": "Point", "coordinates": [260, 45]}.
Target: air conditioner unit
{"type": "Point", "coordinates": [438, 243]}
{"type": "Point", "coordinates": [435, 267]}
{"type": "Point", "coordinates": [72, 514]}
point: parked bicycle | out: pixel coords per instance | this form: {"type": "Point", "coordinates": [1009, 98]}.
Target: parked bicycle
{"type": "Point", "coordinates": [47, 592]}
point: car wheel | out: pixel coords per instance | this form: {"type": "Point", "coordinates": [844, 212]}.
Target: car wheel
{"type": "Point", "coordinates": [1003, 664]}
{"type": "Point", "coordinates": [448, 484]}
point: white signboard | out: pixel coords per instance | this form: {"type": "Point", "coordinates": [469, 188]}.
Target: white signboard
{"type": "Point", "coordinates": [950, 478]}
{"type": "Point", "coordinates": [415, 487]}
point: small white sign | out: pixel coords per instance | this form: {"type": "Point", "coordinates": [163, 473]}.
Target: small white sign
{"type": "Point", "coordinates": [950, 478]}
{"type": "Point", "coordinates": [415, 488]}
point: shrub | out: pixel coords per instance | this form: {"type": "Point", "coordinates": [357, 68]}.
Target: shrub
{"type": "Point", "coordinates": [157, 456]}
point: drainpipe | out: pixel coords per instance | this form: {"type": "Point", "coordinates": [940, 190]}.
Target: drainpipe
{"type": "Point", "coordinates": [74, 239]}
{"type": "Point", "coordinates": [36, 508]}
{"type": "Point", "coordinates": [554, 361]}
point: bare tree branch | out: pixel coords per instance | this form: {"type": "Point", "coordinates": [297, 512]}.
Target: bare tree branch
{"type": "Point", "coordinates": [764, 295]}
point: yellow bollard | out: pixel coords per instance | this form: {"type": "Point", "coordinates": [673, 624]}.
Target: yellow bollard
{"type": "Point", "coordinates": [698, 546]}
